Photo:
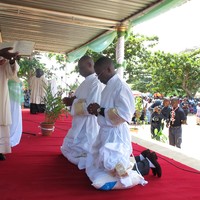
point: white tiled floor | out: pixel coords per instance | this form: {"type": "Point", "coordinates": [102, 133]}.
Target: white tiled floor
{"type": "Point", "coordinates": [189, 154]}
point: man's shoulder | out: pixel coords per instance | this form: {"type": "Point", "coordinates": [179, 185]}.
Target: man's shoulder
{"type": "Point", "coordinates": [180, 109]}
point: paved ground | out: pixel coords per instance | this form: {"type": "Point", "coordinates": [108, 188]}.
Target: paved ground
{"type": "Point", "coordinates": [191, 137]}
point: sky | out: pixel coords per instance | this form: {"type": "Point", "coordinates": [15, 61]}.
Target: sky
{"type": "Point", "coordinates": [178, 29]}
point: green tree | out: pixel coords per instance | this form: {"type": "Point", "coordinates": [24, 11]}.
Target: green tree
{"type": "Point", "coordinates": [175, 74]}
{"type": "Point", "coordinates": [60, 59]}
{"type": "Point", "coordinates": [137, 53]}
{"type": "Point", "coordinates": [28, 67]}
{"type": "Point", "coordinates": [149, 71]}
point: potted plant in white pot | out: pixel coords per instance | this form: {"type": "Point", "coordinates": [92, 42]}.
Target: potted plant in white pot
{"type": "Point", "coordinates": [54, 107]}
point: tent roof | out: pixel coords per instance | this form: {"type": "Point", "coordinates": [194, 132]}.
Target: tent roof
{"type": "Point", "coordinates": [63, 26]}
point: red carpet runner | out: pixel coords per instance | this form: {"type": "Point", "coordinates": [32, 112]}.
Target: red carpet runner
{"type": "Point", "coordinates": [36, 170]}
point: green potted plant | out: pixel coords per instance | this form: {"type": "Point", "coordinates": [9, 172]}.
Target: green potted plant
{"type": "Point", "coordinates": [54, 107]}
{"type": "Point", "coordinates": [160, 136]}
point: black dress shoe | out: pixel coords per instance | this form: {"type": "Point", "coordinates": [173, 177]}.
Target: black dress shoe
{"type": "Point", "coordinates": [153, 159]}
{"type": "Point", "coordinates": [154, 155]}
{"type": "Point", "coordinates": [145, 153]}
{"type": "Point", "coordinates": [153, 171]}
{"type": "Point", "coordinates": [2, 157]}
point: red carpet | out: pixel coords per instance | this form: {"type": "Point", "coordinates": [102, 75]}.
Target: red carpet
{"type": "Point", "coordinates": [36, 170]}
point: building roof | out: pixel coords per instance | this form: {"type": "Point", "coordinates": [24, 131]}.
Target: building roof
{"type": "Point", "coordinates": [62, 26]}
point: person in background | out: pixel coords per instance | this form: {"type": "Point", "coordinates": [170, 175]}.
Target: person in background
{"type": "Point", "coordinates": [156, 121]}
{"type": "Point", "coordinates": [157, 102]}
{"type": "Point", "coordinates": [198, 114]}
{"type": "Point", "coordinates": [7, 71]}
{"type": "Point", "coordinates": [176, 119]}
{"type": "Point", "coordinates": [79, 139]}
{"type": "Point", "coordinates": [154, 103]}
{"type": "Point", "coordinates": [37, 86]}
{"type": "Point", "coordinates": [109, 157]}
{"type": "Point", "coordinates": [185, 106]}
{"type": "Point", "coordinates": [27, 98]}
{"type": "Point", "coordinates": [71, 95]}
{"type": "Point", "coordinates": [148, 112]}
{"type": "Point", "coordinates": [166, 109]}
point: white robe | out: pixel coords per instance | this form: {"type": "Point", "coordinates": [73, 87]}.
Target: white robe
{"type": "Point", "coordinates": [37, 86]}
{"type": "Point", "coordinates": [79, 139]}
{"type": "Point", "coordinates": [113, 143]}
{"type": "Point", "coordinates": [5, 114]}
{"type": "Point", "coordinates": [54, 88]}
{"type": "Point", "coordinates": [16, 112]}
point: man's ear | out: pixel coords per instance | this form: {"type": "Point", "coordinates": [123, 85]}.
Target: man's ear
{"type": "Point", "coordinates": [89, 64]}
{"type": "Point", "coordinates": [108, 69]}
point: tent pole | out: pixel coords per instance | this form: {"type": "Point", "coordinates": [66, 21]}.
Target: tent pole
{"type": "Point", "coordinates": [121, 31]}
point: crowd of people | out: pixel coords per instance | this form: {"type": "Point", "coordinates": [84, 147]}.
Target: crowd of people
{"type": "Point", "coordinates": [189, 105]}
{"type": "Point", "coordinates": [170, 112]}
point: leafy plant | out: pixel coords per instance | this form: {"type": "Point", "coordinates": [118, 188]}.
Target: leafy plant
{"type": "Point", "coordinates": [152, 71]}
{"type": "Point", "coordinates": [160, 136]}
{"type": "Point", "coordinates": [54, 106]}
{"type": "Point", "coordinates": [28, 67]}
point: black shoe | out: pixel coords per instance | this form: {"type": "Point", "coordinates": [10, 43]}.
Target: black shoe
{"type": "Point", "coordinates": [153, 159]}
{"type": "Point", "coordinates": [154, 155]}
{"type": "Point", "coordinates": [145, 153]}
{"type": "Point", "coordinates": [2, 157]}
{"type": "Point", "coordinates": [153, 171]}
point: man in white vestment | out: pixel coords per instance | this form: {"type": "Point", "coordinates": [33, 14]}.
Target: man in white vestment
{"type": "Point", "coordinates": [108, 165]}
{"type": "Point", "coordinates": [37, 86]}
{"type": "Point", "coordinates": [79, 139]}
{"type": "Point", "coordinates": [7, 71]}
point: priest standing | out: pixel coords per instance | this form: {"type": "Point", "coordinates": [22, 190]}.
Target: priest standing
{"type": "Point", "coordinates": [7, 71]}
{"type": "Point", "coordinates": [38, 84]}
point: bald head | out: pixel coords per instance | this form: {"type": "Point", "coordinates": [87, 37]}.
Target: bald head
{"type": "Point", "coordinates": [87, 59]}
{"type": "Point", "coordinates": [39, 72]}
{"type": "Point", "coordinates": [86, 66]}
{"type": "Point", "coordinates": [104, 62]}
{"type": "Point", "coordinates": [104, 69]}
